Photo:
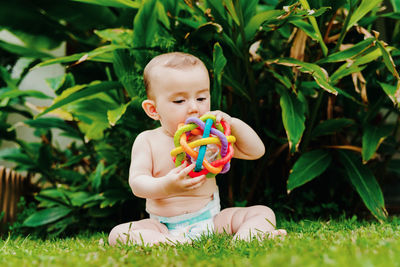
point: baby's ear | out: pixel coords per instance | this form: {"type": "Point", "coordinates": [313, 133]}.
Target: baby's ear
{"type": "Point", "coordinates": [149, 107]}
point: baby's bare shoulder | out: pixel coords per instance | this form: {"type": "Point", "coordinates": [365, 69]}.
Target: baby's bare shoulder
{"type": "Point", "coordinates": [150, 138]}
{"type": "Point", "coordinates": [148, 135]}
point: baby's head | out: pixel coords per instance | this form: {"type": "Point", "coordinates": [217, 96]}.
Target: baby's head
{"type": "Point", "coordinates": [174, 61]}
{"type": "Point", "coordinates": [177, 86]}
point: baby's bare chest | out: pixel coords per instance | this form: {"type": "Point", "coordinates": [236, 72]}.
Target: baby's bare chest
{"type": "Point", "coordinates": [162, 160]}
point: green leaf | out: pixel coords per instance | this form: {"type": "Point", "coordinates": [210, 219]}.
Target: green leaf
{"type": "Point", "coordinates": [119, 36]}
{"type": "Point", "coordinates": [345, 70]}
{"type": "Point", "coordinates": [82, 92]}
{"type": "Point", "coordinates": [218, 11]}
{"type": "Point", "coordinates": [370, 55]}
{"type": "Point", "coordinates": [115, 114]}
{"type": "Point", "coordinates": [46, 216]}
{"type": "Point", "coordinates": [307, 28]}
{"type": "Point", "coordinates": [314, 23]}
{"type": "Point", "coordinates": [97, 175]}
{"type": "Point", "coordinates": [319, 74]}
{"type": "Point", "coordinates": [24, 93]}
{"type": "Point", "coordinates": [392, 91]}
{"type": "Point", "coordinates": [112, 3]}
{"type": "Point", "coordinates": [249, 9]}
{"type": "Point", "coordinates": [373, 136]}
{"type": "Point", "coordinates": [68, 176]}
{"type": "Point", "coordinates": [293, 118]}
{"type": "Point", "coordinates": [332, 126]}
{"type": "Point", "coordinates": [59, 194]}
{"type": "Point", "coordinates": [365, 7]}
{"type": "Point", "coordinates": [365, 184]}
{"type": "Point", "coordinates": [74, 160]}
{"type": "Point", "coordinates": [307, 167]}
{"type": "Point", "coordinates": [111, 198]}
{"type": "Point", "coordinates": [344, 55]}
{"type": "Point", "coordinates": [219, 62]}
{"type": "Point", "coordinates": [24, 51]}
{"type": "Point", "coordinates": [6, 76]}
{"type": "Point", "coordinates": [256, 21]}
{"type": "Point", "coordinates": [80, 198]}
{"type": "Point", "coordinates": [284, 79]}
{"type": "Point", "coordinates": [124, 67]}
{"type": "Point", "coordinates": [49, 123]}
{"type": "Point", "coordinates": [102, 54]}
{"type": "Point", "coordinates": [147, 26]}
{"type": "Point", "coordinates": [6, 132]}
{"type": "Point", "coordinates": [61, 83]}
{"type": "Point", "coordinates": [15, 155]}
{"type": "Point", "coordinates": [388, 60]}
{"type": "Point", "coordinates": [396, 5]}
{"type": "Point", "coordinates": [231, 10]}
{"type": "Point", "coordinates": [94, 130]}
{"type": "Point", "coordinates": [237, 87]}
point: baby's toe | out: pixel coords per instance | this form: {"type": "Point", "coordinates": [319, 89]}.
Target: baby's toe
{"type": "Point", "coordinates": [280, 233]}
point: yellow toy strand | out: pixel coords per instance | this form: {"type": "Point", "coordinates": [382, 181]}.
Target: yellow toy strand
{"type": "Point", "coordinates": [200, 142]}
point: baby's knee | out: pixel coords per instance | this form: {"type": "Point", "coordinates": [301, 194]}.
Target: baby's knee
{"type": "Point", "coordinates": [116, 235]}
{"type": "Point", "coordinates": [263, 210]}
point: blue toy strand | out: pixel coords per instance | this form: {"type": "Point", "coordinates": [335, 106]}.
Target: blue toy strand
{"type": "Point", "coordinates": [202, 150]}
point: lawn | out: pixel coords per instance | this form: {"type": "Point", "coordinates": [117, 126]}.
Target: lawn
{"type": "Point", "coordinates": [309, 243]}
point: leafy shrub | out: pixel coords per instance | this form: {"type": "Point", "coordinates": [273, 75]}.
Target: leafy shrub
{"type": "Point", "coordinates": [317, 83]}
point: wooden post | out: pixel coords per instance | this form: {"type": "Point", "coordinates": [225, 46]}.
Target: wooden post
{"type": "Point", "coordinates": [12, 186]}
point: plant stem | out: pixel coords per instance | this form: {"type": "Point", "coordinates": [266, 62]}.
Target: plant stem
{"type": "Point", "coordinates": [344, 28]}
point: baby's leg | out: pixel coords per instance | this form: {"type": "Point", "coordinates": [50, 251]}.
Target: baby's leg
{"type": "Point", "coordinates": [143, 232]}
{"type": "Point", "coordinates": [258, 221]}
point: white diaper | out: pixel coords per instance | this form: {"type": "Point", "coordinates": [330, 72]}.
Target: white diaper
{"type": "Point", "coordinates": [193, 225]}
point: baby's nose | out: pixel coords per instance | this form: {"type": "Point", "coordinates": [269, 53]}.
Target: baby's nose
{"type": "Point", "coordinates": [193, 107]}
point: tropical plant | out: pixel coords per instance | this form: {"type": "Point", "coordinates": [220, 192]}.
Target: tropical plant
{"type": "Point", "coordinates": [314, 79]}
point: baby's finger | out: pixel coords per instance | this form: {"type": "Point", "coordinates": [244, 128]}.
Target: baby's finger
{"type": "Point", "coordinates": [195, 182]}
{"type": "Point", "coordinates": [179, 168]}
{"type": "Point", "coordinates": [218, 118]}
{"type": "Point", "coordinates": [189, 168]}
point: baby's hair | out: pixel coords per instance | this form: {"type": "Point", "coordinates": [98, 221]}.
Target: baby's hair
{"type": "Point", "coordinates": [173, 60]}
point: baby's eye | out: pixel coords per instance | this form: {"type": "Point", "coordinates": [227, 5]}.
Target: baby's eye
{"type": "Point", "coordinates": [180, 101]}
{"type": "Point", "coordinates": [200, 99]}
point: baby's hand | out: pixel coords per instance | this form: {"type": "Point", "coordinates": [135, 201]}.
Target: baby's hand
{"type": "Point", "coordinates": [220, 115]}
{"type": "Point", "coordinates": [180, 181]}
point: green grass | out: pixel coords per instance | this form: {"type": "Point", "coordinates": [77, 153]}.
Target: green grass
{"type": "Point", "coordinates": [309, 243]}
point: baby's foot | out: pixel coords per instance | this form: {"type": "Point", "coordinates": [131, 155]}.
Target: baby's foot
{"type": "Point", "coordinates": [174, 240]}
{"type": "Point", "coordinates": [280, 233]}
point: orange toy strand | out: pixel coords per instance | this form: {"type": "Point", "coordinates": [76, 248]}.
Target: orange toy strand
{"type": "Point", "coordinates": [194, 154]}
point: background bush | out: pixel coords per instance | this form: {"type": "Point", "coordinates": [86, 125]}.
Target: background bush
{"type": "Point", "coordinates": [316, 79]}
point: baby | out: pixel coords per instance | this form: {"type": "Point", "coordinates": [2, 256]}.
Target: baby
{"type": "Point", "coordinates": [182, 208]}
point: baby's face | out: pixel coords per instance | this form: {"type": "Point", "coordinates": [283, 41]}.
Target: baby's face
{"type": "Point", "coordinates": [180, 94]}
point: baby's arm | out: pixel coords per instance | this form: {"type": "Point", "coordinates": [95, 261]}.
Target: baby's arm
{"type": "Point", "coordinates": [144, 185]}
{"type": "Point", "coordinates": [248, 144]}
